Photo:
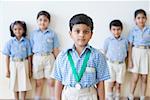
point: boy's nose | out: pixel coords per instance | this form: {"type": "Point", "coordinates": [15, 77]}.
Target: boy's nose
{"type": "Point", "coordinates": [81, 33]}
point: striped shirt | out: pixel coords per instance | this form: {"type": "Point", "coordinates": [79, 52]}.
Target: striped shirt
{"type": "Point", "coordinates": [96, 70]}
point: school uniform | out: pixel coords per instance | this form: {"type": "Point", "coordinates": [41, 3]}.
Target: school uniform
{"type": "Point", "coordinates": [96, 70]}
{"type": "Point", "coordinates": [42, 44]}
{"type": "Point", "coordinates": [116, 52]}
{"type": "Point", "coordinates": [140, 50]}
{"type": "Point", "coordinates": [18, 52]}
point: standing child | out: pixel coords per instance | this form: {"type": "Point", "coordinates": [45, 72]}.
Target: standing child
{"type": "Point", "coordinates": [115, 48]}
{"type": "Point", "coordinates": [139, 53]}
{"type": "Point", "coordinates": [18, 60]}
{"type": "Point", "coordinates": [45, 45]}
{"type": "Point", "coordinates": [80, 68]}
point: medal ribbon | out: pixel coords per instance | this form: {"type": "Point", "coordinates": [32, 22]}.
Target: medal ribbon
{"type": "Point", "coordinates": [83, 67]}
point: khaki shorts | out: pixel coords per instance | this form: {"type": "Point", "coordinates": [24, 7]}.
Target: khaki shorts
{"type": "Point", "coordinates": [117, 72]}
{"type": "Point", "coordinates": [19, 76]}
{"type": "Point", "coordinates": [141, 60]}
{"type": "Point", "coordinates": [69, 93]}
{"type": "Point", "coordinates": [42, 66]}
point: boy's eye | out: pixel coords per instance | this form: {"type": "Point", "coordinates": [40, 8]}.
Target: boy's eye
{"type": "Point", "coordinates": [44, 20]}
{"type": "Point", "coordinates": [84, 32]}
{"type": "Point", "coordinates": [87, 31]}
{"type": "Point", "coordinates": [77, 31]}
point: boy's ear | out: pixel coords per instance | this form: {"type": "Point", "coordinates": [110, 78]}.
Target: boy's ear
{"type": "Point", "coordinates": [70, 32]}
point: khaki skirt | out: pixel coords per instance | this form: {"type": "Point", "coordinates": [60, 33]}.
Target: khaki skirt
{"type": "Point", "coordinates": [19, 76]}
{"type": "Point", "coordinates": [141, 61]}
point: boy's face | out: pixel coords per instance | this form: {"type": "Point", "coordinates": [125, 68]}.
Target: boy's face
{"type": "Point", "coordinates": [116, 30]}
{"type": "Point", "coordinates": [81, 34]}
{"type": "Point", "coordinates": [140, 20]}
{"type": "Point", "coordinates": [43, 22]}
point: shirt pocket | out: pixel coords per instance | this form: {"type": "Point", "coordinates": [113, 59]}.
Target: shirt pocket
{"type": "Point", "coordinates": [146, 36]}
{"type": "Point", "coordinates": [23, 48]}
{"type": "Point", "coordinates": [90, 74]}
{"type": "Point", "coordinates": [49, 40]}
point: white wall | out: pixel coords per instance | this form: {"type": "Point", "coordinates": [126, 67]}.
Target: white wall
{"type": "Point", "coordinates": [102, 13]}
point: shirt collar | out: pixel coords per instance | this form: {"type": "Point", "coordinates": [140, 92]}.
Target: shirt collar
{"type": "Point", "coordinates": [86, 47]}
{"type": "Point", "coordinates": [113, 38]}
{"type": "Point", "coordinates": [137, 28]}
{"type": "Point", "coordinates": [22, 39]}
{"type": "Point", "coordinates": [45, 31]}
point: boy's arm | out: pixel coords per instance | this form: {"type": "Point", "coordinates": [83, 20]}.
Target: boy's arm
{"type": "Point", "coordinates": [130, 63]}
{"type": "Point", "coordinates": [56, 52]}
{"type": "Point", "coordinates": [101, 90]}
{"type": "Point", "coordinates": [58, 90]}
{"type": "Point", "coordinates": [30, 66]}
{"type": "Point", "coordinates": [7, 67]}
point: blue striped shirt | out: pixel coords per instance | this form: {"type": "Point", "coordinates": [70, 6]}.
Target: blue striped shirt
{"type": "Point", "coordinates": [140, 37]}
{"type": "Point", "coordinates": [116, 49]}
{"type": "Point", "coordinates": [43, 41]}
{"type": "Point", "coordinates": [18, 49]}
{"type": "Point", "coordinates": [63, 72]}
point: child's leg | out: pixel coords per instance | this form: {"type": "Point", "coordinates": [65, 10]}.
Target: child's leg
{"type": "Point", "coordinates": [39, 88]}
{"type": "Point", "coordinates": [117, 92]}
{"type": "Point", "coordinates": [110, 90]}
{"type": "Point", "coordinates": [143, 86]}
{"type": "Point", "coordinates": [23, 95]}
{"type": "Point", "coordinates": [134, 81]}
{"type": "Point", "coordinates": [16, 94]}
{"type": "Point", "coordinates": [51, 84]}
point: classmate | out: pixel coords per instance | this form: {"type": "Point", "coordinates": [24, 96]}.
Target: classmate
{"type": "Point", "coordinates": [45, 45]}
{"type": "Point", "coordinates": [79, 68]}
{"type": "Point", "coordinates": [18, 60]}
{"type": "Point", "coordinates": [139, 53]}
{"type": "Point", "coordinates": [115, 48]}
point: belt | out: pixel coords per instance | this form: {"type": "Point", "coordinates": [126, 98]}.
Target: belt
{"type": "Point", "coordinates": [142, 47]}
{"type": "Point", "coordinates": [19, 59]}
{"type": "Point", "coordinates": [43, 54]}
{"type": "Point", "coordinates": [116, 62]}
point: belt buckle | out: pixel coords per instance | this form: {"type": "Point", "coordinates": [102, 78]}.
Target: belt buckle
{"type": "Point", "coordinates": [18, 59]}
{"type": "Point", "coordinates": [116, 62]}
{"type": "Point", "coordinates": [43, 54]}
{"type": "Point", "coordinates": [142, 47]}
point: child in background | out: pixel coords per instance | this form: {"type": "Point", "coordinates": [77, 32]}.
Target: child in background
{"type": "Point", "coordinates": [139, 53]}
{"type": "Point", "coordinates": [18, 60]}
{"type": "Point", "coordinates": [79, 68]}
{"type": "Point", "coordinates": [45, 45]}
{"type": "Point", "coordinates": [115, 48]}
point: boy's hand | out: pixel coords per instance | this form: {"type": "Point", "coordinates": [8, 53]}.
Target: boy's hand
{"type": "Point", "coordinates": [130, 64]}
{"type": "Point", "coordinates": [8, 74]}
{"type": "Point", "coordinates": [30, 74]}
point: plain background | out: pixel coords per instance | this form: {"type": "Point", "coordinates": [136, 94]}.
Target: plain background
{"type": "Point", "coordinates": [102, 12]}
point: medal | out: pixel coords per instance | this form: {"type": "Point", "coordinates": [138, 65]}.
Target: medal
{"type": "Point", "coordinates": [83, 68]}
{"type": "Point", "coordinates": [78, 86]}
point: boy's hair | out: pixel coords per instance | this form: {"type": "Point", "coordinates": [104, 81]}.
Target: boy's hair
{"type": "Point", "coordinates": [81, 19]}
{"type": "Point", "coordinates": [45, 13]}
{"type": "Point", "coordinates": [139, 11]}
{"type": "Point", "coordinates": [22, 24]}
{"type": "Point", "coordinates": [117, 23]}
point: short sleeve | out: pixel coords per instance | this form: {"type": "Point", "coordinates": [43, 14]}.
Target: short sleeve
{"type": "Point", "coordinates": [105, 46]}
{"type": "Point", "coordinates": [56, 41]}
{"type": "Point", "coordinates": [126, 42]}
{"type": "Point", "coordinates": [31, 39]}
{"type": "Point", "coordinates": [102, 71]}
{"type": "Point", "coordinates": [56, 73]}
{"type": "Point", "coordinates": [130, 37]}
{"type": "Point", "coordinates": [7, 48]}
{"type": "Point", "coordinates": [29, 51]}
